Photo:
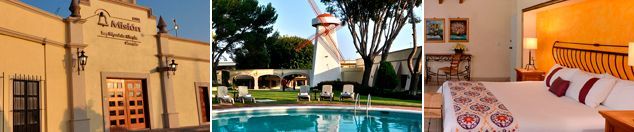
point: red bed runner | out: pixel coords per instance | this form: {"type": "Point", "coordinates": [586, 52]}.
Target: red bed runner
{"type": "Point", "coordinates": [477, 109]}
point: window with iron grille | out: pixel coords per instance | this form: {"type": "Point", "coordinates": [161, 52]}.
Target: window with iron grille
{"type": "Point", "coordinates": [26, 106]}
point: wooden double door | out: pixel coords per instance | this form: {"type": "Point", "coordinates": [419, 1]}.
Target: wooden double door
{"type": "Point", "coordinates": [126, 104]}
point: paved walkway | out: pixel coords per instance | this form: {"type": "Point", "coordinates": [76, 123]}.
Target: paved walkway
{"type": "Point", "coordinates": [217, 106]}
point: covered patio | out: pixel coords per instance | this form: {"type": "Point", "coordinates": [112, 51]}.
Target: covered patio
{"type": "Point", "coordinates": [269, 78]}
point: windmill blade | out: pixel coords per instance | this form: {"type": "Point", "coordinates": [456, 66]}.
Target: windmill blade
{"type": "Point", "coordinates": [314, 37]}
{"type": "Point", "coordinates": [314, 6]}
{"type": "Point", "coordinates": [333, 50]}
{"type": "Point", "coordinates": [328, 42]}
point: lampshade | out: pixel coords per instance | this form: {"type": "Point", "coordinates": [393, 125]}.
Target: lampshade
{"type": "Point", "coordinates": [530, 43]}
{"type": "Point", "coordinates": [631, 54]}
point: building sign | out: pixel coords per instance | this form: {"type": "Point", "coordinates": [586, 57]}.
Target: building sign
{"type": "Point", "coordinates": [118, 28]}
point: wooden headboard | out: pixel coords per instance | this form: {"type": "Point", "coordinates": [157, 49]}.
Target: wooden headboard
{"type": "Point", "coordinates": [594, 58]}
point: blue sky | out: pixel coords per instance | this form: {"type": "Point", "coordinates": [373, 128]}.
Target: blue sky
{"type": "Point", "coordinates": [192, 16]}
{"type": "Point", "coordinates": [294, 18]}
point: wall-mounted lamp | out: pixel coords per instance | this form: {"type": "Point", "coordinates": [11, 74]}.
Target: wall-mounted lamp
{"type": "Point", "coordinates": [170, 67]}
{"type": "Point", "coordinates": [631, 54]}
{"type": "Point", "coordinates": [530, 44]}
{"type": "Point", "coordinates": [81, 59]}
{"type": "Point", "coordinates": [173, 65]}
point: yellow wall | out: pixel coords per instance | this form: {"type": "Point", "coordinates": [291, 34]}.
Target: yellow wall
{"type": "Point", "coordinates": [111, 55]}
{"type": "Point", "coordinates": [591, 21]}
{"type": "Point", "coordinates": [20, 56]}
{"type": "Point", "coordinates": [30, 20]}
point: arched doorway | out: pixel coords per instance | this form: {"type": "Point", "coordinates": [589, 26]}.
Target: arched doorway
{"type": "Point", "coordinates": [243, 80]}
{"type": "Point", "coordinates": [269, 82]}
{"type": "Point", "coordinates": [295, 80]}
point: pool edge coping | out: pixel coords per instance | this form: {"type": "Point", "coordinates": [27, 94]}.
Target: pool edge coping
{"type": "Point", "coordinates": [311, 107]}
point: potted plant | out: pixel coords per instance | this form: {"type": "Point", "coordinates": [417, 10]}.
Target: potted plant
{"type": "Point", "coordinates": [459, 48]}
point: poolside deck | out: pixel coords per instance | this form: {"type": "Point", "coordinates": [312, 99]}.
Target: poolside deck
{"type": "Point", "coordinates": [227, 106]}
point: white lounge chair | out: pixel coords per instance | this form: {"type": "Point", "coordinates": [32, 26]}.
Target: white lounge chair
{"type": "Point", "coordinates": [304, 93]}
{"type": "Point", "coordinates": [243, 94]}
{"type": "Point", "coordinates": [326, 93]}
{"type": "Point", "coordinates": [223, 96]}
{"type": "Point", "coordinates": [348, 92]}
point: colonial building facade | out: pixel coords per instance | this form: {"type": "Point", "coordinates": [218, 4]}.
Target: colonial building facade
{"type": "Point", "coordinates": [110, 65]}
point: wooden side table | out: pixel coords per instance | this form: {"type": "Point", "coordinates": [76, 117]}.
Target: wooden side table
{"type": "Point", "coordinates": [433, 105]}
{"type": "Point", "coordinates": [618, 121]}
{"type": "Point", "coordinates": [529, 75]}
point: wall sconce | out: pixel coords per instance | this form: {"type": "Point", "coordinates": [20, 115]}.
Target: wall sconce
{"type": "Point", "coordinates": [81, 59]}
{"type": "Point", "coordinates": [173, 65]}
{"type": "Point", "coordinates": [170, 67]}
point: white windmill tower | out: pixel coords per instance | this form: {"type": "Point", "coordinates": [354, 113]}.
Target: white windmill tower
{"type": "Point", "coordinates": [326, 56]}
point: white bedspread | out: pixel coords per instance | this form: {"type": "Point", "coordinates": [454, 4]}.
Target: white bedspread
{"type": "Point", "coordinates": [535, 109]}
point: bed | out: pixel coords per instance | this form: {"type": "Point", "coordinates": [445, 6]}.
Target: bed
{"type": "Point", "coordinates": [534, 108]}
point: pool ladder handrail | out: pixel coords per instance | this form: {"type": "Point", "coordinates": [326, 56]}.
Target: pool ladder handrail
{"type": "Point", "coordinates": [369, 104]}
{"type": "Point", "coordinates": [356, 102]}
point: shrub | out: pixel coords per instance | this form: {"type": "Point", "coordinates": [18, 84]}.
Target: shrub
{"type": "Point", "coordinates": [386, 77]}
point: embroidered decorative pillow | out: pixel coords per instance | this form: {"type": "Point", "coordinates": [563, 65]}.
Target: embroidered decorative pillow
{"type": "Point", "coordinates": [588, 89]}
{"type": "Point", "coordinates": [559, 87]}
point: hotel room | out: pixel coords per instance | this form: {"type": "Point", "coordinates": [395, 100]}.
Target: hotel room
{"type": "Point", "coordinates": [529, 65]}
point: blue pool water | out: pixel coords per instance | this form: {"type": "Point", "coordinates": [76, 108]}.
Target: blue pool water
{"type": "Point", "coordinates": [316, 119]}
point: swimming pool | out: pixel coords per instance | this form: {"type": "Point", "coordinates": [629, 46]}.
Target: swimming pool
{"type": "Point", "coordinates": [315, 118]}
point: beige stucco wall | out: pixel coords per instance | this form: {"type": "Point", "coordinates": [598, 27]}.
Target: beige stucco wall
{"type": "Point", "coordinates": [24, 54]}
{"type": "Point", "coordinates": [27, 57]}
{"type": "Point", "coordinates": [30, 20]}
{"type": "Point", "coordinates": [111, 55]}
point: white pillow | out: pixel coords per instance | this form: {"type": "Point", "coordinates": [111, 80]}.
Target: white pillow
{"type": "Point", "coordinates": [598, 91]}
{"type": "Point", "coordinates": [552, 79]}
{"type": "Point", "coordinates": [303, 94]}
{"type": "Point", "coordinates": [564, 73]}
{"type": "Point", "coordinates": [622, 96]}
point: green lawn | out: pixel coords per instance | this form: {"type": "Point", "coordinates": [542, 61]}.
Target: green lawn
{"type": "Point", "coordinates": [290, 97]}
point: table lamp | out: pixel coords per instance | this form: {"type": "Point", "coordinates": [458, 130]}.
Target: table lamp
{"type": "Point", "coordinates": [530, 44]}
{"type": "Point", "coordinates": [631, 54]}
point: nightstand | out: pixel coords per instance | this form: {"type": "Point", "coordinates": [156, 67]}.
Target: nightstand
{"type": "Point", "coordinates": [529, 75]}
{"type": "Point", "coordinates": [618, 121]}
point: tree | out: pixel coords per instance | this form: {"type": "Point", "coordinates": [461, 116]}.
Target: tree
{"type": "Point", "coordinates": [386, 77]}
{"type": "Point", "coordinates": [237, 23]}
{"type": "Point", "coordinates": [415, 68]}
{"type": "Point", "coordinates": [373, 24]}
{"type": "Point", "coordinates": [284, 56]}
{"type": "Point", "coordinates": [254, 54]}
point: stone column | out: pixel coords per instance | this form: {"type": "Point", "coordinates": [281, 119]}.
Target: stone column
{"type": "Point", "coordinates": [170, 116]}
{"type": "Point", "coordinates": [255, 82]}
{"type": "Point", "coordinates": [79, 121]}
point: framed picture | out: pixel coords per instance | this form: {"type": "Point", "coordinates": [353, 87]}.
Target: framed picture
{"type": "Point", "coordinates": [434, 30]}
{"type": "Point", "coordinates": [458, 30]}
